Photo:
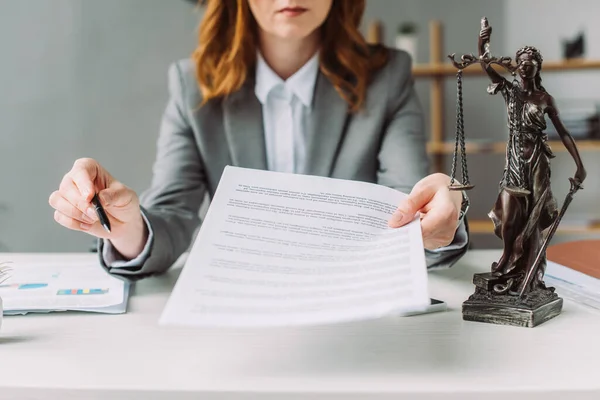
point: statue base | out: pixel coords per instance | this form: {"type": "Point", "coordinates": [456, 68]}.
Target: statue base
{"type": "Point", "coordinates": [485, 305]}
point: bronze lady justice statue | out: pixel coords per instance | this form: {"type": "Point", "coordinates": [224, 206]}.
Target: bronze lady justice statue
{"type": "Point", "coordinates": [514, 292]}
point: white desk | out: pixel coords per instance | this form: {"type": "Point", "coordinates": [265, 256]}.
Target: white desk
{"type": "Point", "coordinates": [437, 356]}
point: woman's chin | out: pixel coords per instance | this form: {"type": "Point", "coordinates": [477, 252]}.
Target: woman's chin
{"type": "Point", "coordinates": [292, 33]}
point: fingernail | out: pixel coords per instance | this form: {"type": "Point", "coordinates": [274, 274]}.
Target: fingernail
{"type": "Point", "coordinates": [398, 216]}
{"type": "Point", "coordinates": [85, 227]}
{"type": "Point", "coordinates": [395, 219]}
{"type": "Point", "coordinates": [104, 199]}
{"type": "Point", "coordinates": [92, 214]}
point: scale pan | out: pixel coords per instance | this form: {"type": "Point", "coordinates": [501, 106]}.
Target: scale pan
{"type": "Point", "coordinates": [461, 187]}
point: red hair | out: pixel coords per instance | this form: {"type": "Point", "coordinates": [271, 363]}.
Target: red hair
{"type": "Point", "coordinates": [228, 41]}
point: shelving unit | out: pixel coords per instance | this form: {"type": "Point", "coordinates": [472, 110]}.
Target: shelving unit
{"type": "Point", "coordinates": [483, 226]}
{"type": "Point", "coordinates": [500, 147]}
{"type": "Point", "coordinates": [446, 70]}
{"type": "Point", "coordinates": [437, 71]}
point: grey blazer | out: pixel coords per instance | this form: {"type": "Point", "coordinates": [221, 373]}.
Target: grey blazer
{"type": "Point", "coordinates": [384, 144]}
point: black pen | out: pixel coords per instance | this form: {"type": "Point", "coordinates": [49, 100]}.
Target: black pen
{"type": "Point", "coordinates": [101, 213]}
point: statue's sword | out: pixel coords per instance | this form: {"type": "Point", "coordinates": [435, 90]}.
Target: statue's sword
{"type": "Point", "coordinates": [574, 188]}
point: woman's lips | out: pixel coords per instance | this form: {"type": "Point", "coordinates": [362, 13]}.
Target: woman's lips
{"type": "Point", "coordinates": [292, 11]}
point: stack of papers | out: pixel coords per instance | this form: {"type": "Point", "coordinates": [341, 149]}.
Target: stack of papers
{"type": "Point", "coordinates": [573, 285]}
{"type": "Point", "coordinates": [70, 285]}
{"type": "Point", "coordinates": [281, 249]}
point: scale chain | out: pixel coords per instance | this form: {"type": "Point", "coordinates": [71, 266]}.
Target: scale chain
{"type": "Point", "coordinates": [465, 172]}
{"type": "Point", "coordinates": [458, 125]}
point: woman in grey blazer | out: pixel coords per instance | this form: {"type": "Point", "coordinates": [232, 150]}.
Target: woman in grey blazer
{"type": "Point", "coordinates": [285, 85]}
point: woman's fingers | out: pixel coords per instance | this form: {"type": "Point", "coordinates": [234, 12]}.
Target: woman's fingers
{"type": "Point", "coordinates": [439, 209]}
{"type": "Point", "coordinates": [83, 175]}
{"type": "Point", "coordinates": [438, 227]}
{"type": "Point", "coordinates": [71, 223]}
{"type": "Point", "coordinates": [73, 208]}
{"type": "Point", "coordinates": [79, 185]}
{"type": "Point", "coordinates": [76, 224]}
{"type": "Point", "coordinates": [415, 201]}
{"type": "Point", "coordinates": [71, 193]}
{"type": "Point", "coordinates": [440, 221]}
{"type": "Point", "coordinates": [64, 206]}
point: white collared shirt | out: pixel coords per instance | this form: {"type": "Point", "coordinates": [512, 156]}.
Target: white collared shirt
{"type": "Point", "coordinates": [286, 107]}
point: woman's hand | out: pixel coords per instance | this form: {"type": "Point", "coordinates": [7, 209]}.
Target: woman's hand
{"type": "Point", "coordinates": [439, 209]}
{"type": "Point", "coordinates": [73, 209]}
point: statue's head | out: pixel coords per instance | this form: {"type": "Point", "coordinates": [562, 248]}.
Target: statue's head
{"type": "Point", "coordinates": [529, 62]}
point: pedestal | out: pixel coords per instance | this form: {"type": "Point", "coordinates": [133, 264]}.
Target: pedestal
{"type": "Point", "coordinates": [532, 310]}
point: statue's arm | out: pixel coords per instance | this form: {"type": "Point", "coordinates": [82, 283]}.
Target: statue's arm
{"type": "Point", "coordinates": [566, 138]}
{"type": "Point", "coordinates": [484, 52]}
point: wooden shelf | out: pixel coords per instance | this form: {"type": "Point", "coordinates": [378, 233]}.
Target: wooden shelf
{"type": "Point", "coordinates": [486, 227]}
{"type": "Point", "coordinates": [447, 69]}
{"type": "Point", "coordinates": [500, 147]}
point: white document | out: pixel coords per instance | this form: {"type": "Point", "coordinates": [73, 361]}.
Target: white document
{"type": "Point", "coordinates": [573, 285]}
{"type": "Point", "coordinates": [69, 285]}
{"type": "Point", "coordinates": [281, 249]}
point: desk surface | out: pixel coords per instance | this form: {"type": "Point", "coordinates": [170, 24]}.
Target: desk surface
{"type": "Point", "coordinates": [91, 356]}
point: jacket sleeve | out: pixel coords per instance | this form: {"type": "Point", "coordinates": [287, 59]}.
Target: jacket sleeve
{"type": "Point", "coordinates": [171, 205]}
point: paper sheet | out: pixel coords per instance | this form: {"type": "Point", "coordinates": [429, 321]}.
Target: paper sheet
{"type": "Point", "coordinates": [573, 285]}
{"type": "Point", "coordinates": [61, 286]}
{"type": "Point", "coordinates": [281, 249]}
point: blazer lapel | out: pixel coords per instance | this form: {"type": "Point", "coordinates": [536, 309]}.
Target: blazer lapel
{"type": "Point", "coordinates": [243, 123]}
{"type": "Point", "coordinates": [325, 129]}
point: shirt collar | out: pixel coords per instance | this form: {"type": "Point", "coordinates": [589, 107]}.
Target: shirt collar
{"type": "Point", "coordinates": [301, 84]}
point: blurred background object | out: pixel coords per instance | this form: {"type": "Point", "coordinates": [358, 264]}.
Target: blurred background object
{"type": "Point", "coordinates": [574, 48]}
{"type": "Point", "coordinates": [375, 32]}
{"type": "Point", "coordinates": [407, 39]}
{"type": "Point", "coordinates": [580, 117]}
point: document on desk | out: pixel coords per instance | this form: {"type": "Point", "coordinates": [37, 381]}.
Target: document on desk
{"type": "Point", "coordinates": [281, 249]}
{"type": "Point", "coordinates": [573, 285]}
{"type": "Point", "coordinates": [70, 285]}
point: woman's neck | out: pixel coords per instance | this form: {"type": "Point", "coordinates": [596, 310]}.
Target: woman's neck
{"type": "Point", "coordinates": [285, 56]}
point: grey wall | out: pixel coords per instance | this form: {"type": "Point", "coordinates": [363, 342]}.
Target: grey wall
{"type": "Point", "coordinates": [79, 78]}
